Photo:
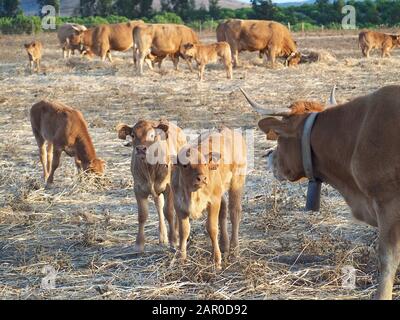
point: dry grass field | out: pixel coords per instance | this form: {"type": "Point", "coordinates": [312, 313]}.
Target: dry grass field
{"type": "Point", "coordinates": [86, 228]}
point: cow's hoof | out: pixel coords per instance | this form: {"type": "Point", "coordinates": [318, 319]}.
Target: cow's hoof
{"type": "Point", "coordinates": [138, 248]}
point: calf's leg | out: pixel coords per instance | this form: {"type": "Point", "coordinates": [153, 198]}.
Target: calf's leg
{"type": "Point", "coordinates": [143, 212]}
{"type": "Point", "coordinates": [223, 224]}
{"type": "Point", "coordinates": [54, 165]}
{"type": "Point", "coordinates": [169, 215]}
{"type": "Point", "coordinates": [162, 229]}
{"type": "Point", "coordinates": [184, 231]}
{"type": "Point", "coordinates": [42, 153]}
{"type": "Point", "coordinates": [235, 212]}
{"type": "Point", "coordinates": [212, 229]}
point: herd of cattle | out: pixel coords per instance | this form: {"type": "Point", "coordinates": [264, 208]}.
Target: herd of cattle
{"type": "Point", "coordinates": [152, 43]}
{"type": "Point", "coordinates": [186, 178]}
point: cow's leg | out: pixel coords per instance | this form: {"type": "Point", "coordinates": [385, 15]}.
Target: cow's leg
{"type": "Point", "coordinates": [228, 67]}
{"type": "Point", "coordinates": [54, 165]}
{"type": "Point", "coordinates": [212, 229]}
{"type": "Point", "coordinates": [389, 258]}
{"type": "Point", "coordinates": [175, 60]}
{"type": "Point", "coordinates": [109, 57]}
{"type": "Point", "coordinates": [38, 65]}
{"type": "Point", "coordinates": [142, 57]}
{"type": "Point", "coordinates": [235, 55]}
{"type": "Point", "coordinates": [189, 63]}
{"type": "Point", "coordinates": [235, 211]}
{"type": "Point", "coordinates": [169, 215]}
{"type": "Point", "coordinates": [223, 224]}
{"type": "Point", "coordinates": [42, 153]}
{"type": "Point", "coordinates": [135, 56]}
{"type": "Point", "coordinates": [143, 212]}
{"type": "Point", "coordinates": [272, 56]}
{"type": "Point", "coordinates": [184, 232]}
{"type": "Point", "coordinates": [162, 229]}
{"type": "Point", "coordinates": [78, 164]}
{"type": "Point", "coordinates": [64, 53]}
{"type": "Point", "coordinates": [201, 71]}
{"type": "Point", "coordinates": [367, 52]}
{"type": "Point", "coordinates": [49, 155]}
{"type": "Point", "coordinates": [31, 65]}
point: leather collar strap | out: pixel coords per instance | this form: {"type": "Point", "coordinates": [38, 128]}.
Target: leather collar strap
{"type": "Point", "coordinates": [306, 146]}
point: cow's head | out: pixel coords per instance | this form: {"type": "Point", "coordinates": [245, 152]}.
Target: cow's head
{"type": "Point", "coordinates": [285, 160]}
{"type": "Point", "coordinates": [148, 138]}
{"type": "Point", "coordinates": [188, 50]}
{"type": "Point", "coordinates": [396, 40]}
{"type": "Point", "coordinates": [293, 59]}
{"type": "Point", "coordinates": [76, 39]}
{"type": "Point", "coordinates": [195, 167]}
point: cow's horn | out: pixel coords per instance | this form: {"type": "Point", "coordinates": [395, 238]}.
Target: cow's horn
{"type": "Point", "coordinates": [332, 99]}
{"type": "Point", "coordinates": [260, 109]}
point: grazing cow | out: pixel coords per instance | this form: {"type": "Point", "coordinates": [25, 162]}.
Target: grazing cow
{"type": "Point", "coordinates": [63, 34]}
{"type": "Point", "coordinates": [34, 50]}
{"type": "Point", "coordinates": [206, 53]}
{"type": "Point", "coordinates": [269, 37]}
{"type": "Point", "coordinates": [368, 40]}
{"type": "Point", "coordinates": [162, 40]}
{"type": "Point", "coordinates": [155, 143]}
{"type": "Point", "coordinates": [206, 169]}
{"type": "Point", "coordinates": [355, 149]}
{"type": "Point", "coordinates": [64, 129]}
{"type": "Point", "coordinates": [106, 37]}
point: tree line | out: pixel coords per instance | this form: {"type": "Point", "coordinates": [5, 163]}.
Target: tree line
{"type": "Point", "coordinates": [369, 13]}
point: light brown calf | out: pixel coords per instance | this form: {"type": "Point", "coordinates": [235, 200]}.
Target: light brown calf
{"type": "Point", "coordinates": [34, 50]}
{"type": "Point", "coordinates": [208, 53]}
{"type": "Point", "coordinates": [155, 143]}
{"type": "Point", "coordinates": [64, 129]}
{"type": "Point", "coordinates": [368, 40]}
{"type": "Point", "coordinates": [215, 164]}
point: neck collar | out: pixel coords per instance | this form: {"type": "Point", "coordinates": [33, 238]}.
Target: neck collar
{"type": "Point", "coordinates": [306, 146]}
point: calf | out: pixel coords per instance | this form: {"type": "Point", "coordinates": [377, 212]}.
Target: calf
{"type": "Point", "coordinates": [155, 143]}
{"type": "Point", "coordinates": [64, 129]}
{"type": "Point", "coordinates": [368, 40]}
{"type": "Point", "coordinates": [34, 50]}
{"type": "Point", "coordinates": [207, 53]}
{"type": "Point", "coordinates": [205, 171]}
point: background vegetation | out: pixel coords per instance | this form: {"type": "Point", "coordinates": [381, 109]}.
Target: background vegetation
{"type": "Point", "coordinates": [369, 13]}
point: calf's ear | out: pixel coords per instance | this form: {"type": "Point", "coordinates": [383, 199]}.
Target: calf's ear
{"type": "Point", "coordinates": [282, 128]}
{"type": "Point", "coordinates": [163, 125]}
{"type": "Point", "coordinates": [123, 131]}
{"type": "Point", "coordinates": [26, 45]}
{"type": "Point", "coordinates": [213, 160]}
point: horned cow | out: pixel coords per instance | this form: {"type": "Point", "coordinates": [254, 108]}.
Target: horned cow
{"type": "Point", "coordinates": [63, 34]}
{"type": "Point", "coordinates": [64, 129]}
{"type": "Point", "coordinates": [357, 155]}
{"type": "Point", "coordinates": [102, 39]}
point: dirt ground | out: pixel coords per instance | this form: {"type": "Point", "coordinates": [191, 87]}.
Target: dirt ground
{"type": "Point", "coordinates": [86, 229]}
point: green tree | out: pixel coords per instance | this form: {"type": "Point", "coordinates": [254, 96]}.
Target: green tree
{"type": "Point", "coordinates": [263, 9]}
{"type": "Point", "coordinates": [214, 9]}
{"type": "Point", "coordinates": [9, 8]}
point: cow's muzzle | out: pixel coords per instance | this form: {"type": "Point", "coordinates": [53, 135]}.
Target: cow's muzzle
{"type": "Point", "coordinates": [141, 151]}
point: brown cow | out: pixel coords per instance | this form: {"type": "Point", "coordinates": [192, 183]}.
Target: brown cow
{"type": "Point", "coordinates": [155, 144]}
{"type": "Point", "coordinates": [269, 37]}
{"type": "Point", "coordinates": [206, 169]}
{"type": "Point", "coordinates": [162, 40]}
{"type": "Point", "coordinates": [206, 53]}
{"type": "Point", "coordinates": [63, 34]}
{"type": "Point", "coordinates": [102, 39]}
{"type": "Point", "coordinates": [64, 129]}
{"type": "Point", "coordinates": [34, 50]}
{"type": "Point", "coordinates": [368, 40]}
{"type": "Point", "coordinates": [355, 149]}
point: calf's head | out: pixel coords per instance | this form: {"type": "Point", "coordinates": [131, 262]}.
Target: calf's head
{"type": "Point", "coordinates": [148, 140]}
{"type": "Point", "coordinates": [195, 168]}
{"type": "Point", "coordinates": [32, 49]}
{"type": "Point", "coordinates": [293, 59]}
{"type": "Point", "coordinates": [96, 166]}
{"type": "Point", "coordinates": [188, 50]}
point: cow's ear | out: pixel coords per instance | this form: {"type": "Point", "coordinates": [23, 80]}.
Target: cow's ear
{"type": "Point", "coordinates": [124, 131]}
{"type": "Point", "coordinates": [33, 44]}
{"type": "Point", "coordinates": [26, 45]}
{"type": "Point", "coordinates": [163, 125]}
{"type": "Point", "coordinates": [285, 128]}
{"type": "Point", "coordinates": [213, 160]}
{"type": "Point", "coordinates": [188, 45]}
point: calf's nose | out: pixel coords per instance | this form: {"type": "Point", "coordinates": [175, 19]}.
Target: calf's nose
{"type": "Point", "coordinates": [141, 148]}
{"type": "Point", "coordinates": [201, 178]}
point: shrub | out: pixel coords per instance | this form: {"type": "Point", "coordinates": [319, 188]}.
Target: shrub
{"type": "Point", "coordinates": [167, 17]}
